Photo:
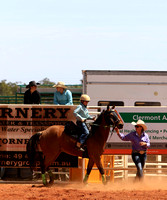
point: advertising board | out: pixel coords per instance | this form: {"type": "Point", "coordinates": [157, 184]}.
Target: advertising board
{"type": "Point", "coordinates": [19, 122]}
{"type": "Point", "coordinates": [156, 121]}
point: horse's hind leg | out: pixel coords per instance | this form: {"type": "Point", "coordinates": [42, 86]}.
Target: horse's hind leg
{"type": "Point", "coordinates": [42, 165]}
{"type": "Point", "coordinates": [50, 176]}
{"type": "Point", "coordinates": [44, 180]}
{"type": "Point", "coordinates": [48, 160]}
{"type": "Point", "coordinates": [89, 168]}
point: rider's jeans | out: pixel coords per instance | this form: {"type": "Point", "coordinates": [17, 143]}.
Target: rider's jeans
{"type": "Point", "coordinates": [85, 131]}
{"type": "Point", "coordinates": [139, 160]}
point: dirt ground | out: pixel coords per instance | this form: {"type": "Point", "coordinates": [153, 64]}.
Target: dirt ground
{"type": "Point", "coordinates": [149, 189]}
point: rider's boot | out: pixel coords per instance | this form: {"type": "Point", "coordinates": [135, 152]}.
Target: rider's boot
{"type": "Point", "coordinates": [79, 146]}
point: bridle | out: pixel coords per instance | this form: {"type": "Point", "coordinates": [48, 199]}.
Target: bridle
{"type": "Point", "coordinates": [110, 117]}
{"type": "Point", "coordinates": [114, 122]}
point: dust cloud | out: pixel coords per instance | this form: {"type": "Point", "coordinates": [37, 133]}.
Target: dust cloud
{"type": "Point", "coordinates": [148, 189]}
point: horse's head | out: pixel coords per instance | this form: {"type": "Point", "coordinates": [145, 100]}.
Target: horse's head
{"type": "Point", "coordinates": [112, 118]}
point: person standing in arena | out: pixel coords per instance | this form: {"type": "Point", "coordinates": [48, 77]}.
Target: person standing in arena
{"type": "Point", "coordinates": [140, 143]}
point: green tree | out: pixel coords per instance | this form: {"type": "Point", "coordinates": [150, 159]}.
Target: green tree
{"type": "Point", "coordinates": [7, 89]}
{"type": "Point", "coordinates": [46, 81]}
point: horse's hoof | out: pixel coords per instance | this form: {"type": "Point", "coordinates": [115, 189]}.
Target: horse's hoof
{"type": "Point", "coordinates": [85, 185]}
{"type": "Point", "coordinates": [45, 184]}
{"type": "Point", "coordinates": [51, 182]}
{"type": "Point", "coordinates": [104, 182]}
{"type": "Point", "coordinates": [85, 182]}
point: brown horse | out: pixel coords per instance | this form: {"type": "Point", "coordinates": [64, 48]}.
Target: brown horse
{"type": "Point", "coordinates": [54, 140]}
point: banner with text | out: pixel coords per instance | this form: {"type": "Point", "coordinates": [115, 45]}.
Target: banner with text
{"type": "Point", "coordinates": [19, 122]}
{"type": "Point", "coordinates": [156, 121]}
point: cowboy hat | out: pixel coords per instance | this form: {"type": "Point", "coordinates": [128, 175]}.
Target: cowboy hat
{"type": "Point", "coordinates": [60, 84]}
{"type": "Point", "coordinates": [140, 123]}
{"type": "Point", "coordinates": [32, 83]}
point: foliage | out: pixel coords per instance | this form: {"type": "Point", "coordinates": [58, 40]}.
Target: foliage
{"type": "Point", "coordinates": [7, 89]}
{"type": "Point", "coordinates": [46, 82]}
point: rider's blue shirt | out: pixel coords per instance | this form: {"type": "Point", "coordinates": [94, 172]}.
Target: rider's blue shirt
{"type": "Point", "coordinates": [81, 113]}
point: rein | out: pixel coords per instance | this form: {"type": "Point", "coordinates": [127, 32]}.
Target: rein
{"type": "Point", "coordinates": [112, 132]}
{"type": "Point", "coordinates": [106, 126]}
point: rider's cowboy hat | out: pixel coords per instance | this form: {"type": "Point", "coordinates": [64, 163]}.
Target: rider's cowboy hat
{"type": "Point", "coordinates": [60, 84]}
{"type": "Point", "coordinates": [140, 123]}
{"type": "Point", "coordinates": [32, 83]}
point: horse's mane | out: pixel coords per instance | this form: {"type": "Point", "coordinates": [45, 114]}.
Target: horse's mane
{"type": "Point", "coordinates": [96, 123]}
{"type": "Point", "coordinates": [99, 118]}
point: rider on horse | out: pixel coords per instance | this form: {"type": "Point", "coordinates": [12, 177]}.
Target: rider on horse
{"type": "Point", "coordinates": [81, 114]}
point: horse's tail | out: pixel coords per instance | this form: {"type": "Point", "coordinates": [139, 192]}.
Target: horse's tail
{"type": "Point", "coordinates": [31, 149]}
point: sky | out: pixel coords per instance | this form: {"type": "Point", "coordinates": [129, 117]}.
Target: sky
{"type": "Point", "coordinates": [57, 39]}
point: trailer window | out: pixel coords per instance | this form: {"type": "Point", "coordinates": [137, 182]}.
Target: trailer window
{"type": "Point", "coordinates": [141, 103]}
{"type": "Point", "coordinates": [111, 103]}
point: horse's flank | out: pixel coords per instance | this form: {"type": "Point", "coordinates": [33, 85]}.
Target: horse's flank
{"type": "Point", "coordinates": [57, 141]}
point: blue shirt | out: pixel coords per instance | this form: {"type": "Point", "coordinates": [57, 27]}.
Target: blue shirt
{"type": "Point", "coordinates": [81, 113]}
{"type": "Point", "coordinates": [136, 139]}
{"type": "Point", "coordinates": [63, 99]}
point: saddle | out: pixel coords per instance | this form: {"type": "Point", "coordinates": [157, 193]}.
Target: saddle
{"type": "Point", "coordinates": [72, 129]}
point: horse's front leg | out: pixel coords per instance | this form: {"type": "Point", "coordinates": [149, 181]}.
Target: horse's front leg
{"type": "Point", "coordinates": [101, 170]}
{"type": "Point", "coordinates": [89, 168]}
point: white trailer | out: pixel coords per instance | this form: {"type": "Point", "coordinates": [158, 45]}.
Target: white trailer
{"type": "Point", "coordinates": [126, 88]}
{"type": "Point", "coordinates": [137, 95]}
